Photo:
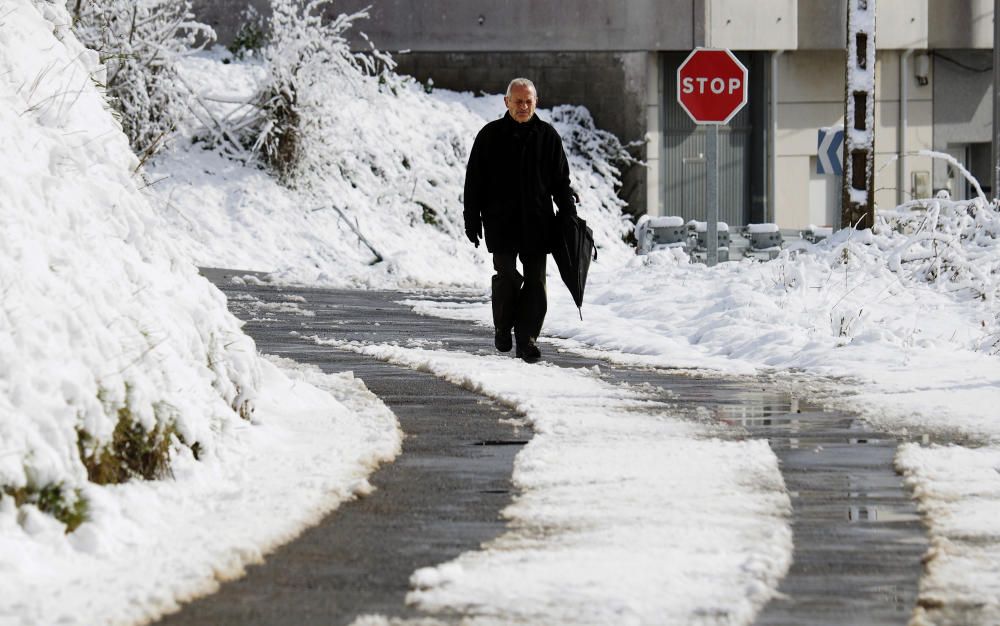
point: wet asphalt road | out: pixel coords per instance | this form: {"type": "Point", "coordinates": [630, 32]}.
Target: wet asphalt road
{"type": "Point", "coordinates": [858, 537]}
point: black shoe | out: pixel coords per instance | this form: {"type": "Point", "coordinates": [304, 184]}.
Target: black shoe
{"type": "Point", "coordinates": [502, 341]}
{"type": "Point", "coordinates": [529, 352]}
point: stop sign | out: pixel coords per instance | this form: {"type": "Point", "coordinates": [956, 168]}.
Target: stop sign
{"type": "Point", "coordinates": [711, 85]}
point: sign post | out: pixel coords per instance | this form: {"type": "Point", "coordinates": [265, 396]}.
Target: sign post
{"type": "Point", "coordinates": [712, 195]}
{"type": "Point", "coordinates": [712, 88]}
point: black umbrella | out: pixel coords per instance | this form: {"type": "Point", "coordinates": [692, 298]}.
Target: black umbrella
{"type": "Point", "coordinates": [573, 248]}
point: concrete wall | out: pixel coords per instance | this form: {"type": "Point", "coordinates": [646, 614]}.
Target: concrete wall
{"type": "Point", "coordinates": [613, 86]}
{"type": "Point", "coordinates": [530, 25]}
{"type": "Point", "coordinates": [758, 25]}
{"type": "Point", "coordinates": [225, 16]}
{"type": "Point", "coordinates": [963, 112]}
{"type": "Point", "coordinates": [960, 23]}
{"type": "Point", "coordinates": [632, 25]}
{"type": "Point", "coordinates": [900, 24]}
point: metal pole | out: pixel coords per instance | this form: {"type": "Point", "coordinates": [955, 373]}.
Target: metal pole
{"type": "Point", "coordinates": [712, 163]}
{"type": "Point", "coordinates": [904, 104]}
{"type": "Point", "coordinates": [772, 142]}
{"type": "Point", "coordinates": [996, 99]}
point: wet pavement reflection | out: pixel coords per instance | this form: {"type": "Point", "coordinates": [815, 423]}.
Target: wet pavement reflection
{"type": "Point", "coordinates": [858, 537]}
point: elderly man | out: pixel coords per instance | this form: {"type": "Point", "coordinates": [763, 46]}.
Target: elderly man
{"type": "Point", "coordinates": [516, 169]}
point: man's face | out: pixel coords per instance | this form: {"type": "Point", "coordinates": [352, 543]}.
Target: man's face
{"type": "Point", "coordinates": [521, 103]}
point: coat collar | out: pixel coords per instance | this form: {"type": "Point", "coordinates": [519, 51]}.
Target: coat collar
{"type": "Point", "coordinates": [514, 124]}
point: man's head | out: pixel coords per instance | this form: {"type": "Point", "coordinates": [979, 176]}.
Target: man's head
{"type": "Point", "coordinates": [521, 99]}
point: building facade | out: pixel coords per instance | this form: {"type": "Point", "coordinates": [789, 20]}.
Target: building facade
{"type": "Point", "coordinates": [619, 59]}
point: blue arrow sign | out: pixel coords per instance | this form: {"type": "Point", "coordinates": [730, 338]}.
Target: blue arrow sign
{"type": "Point", "coordinates": [830, 151]}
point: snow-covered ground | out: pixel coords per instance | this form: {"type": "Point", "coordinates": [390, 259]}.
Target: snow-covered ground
{"type": "Point", "coordinates": [103, 313]}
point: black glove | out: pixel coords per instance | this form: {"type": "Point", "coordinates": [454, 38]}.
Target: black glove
{"type": "Point", "coordinates": [474, 230]}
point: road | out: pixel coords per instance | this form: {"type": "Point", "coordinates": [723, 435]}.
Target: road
{"type": "Point", "coordinates": [858, 537]}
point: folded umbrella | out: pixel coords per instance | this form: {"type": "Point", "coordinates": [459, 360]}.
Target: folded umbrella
{"type": "Point", "coordinates": [573, 249]}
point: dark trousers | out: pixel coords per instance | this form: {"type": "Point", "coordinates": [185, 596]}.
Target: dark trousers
{"type": "Point", "coordinates": [519, 301]}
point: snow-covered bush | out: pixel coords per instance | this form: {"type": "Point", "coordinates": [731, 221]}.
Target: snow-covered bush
{"type": "Point", "coordinates": [115, 356]}
{"type": "Point", "coordinates": [950, 248]}
{"type": "Point", "coordinates": [382, 161]}
{"type": "Point", "coordinates": [596, 157]}
{"type": "Point", "coordinates": [139, 42]}
{"type": "Point", "coordinates": [941, 240]}
{"type": "Point", "coordinates": [306, 51]}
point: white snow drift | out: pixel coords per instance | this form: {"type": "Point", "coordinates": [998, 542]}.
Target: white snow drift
{"type": "Point", "coordinates": [104, 325]}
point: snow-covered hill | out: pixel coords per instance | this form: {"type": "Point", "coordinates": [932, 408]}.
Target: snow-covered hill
{"type": "Point", "coordinates": [394, 180]}
{"type": "Point", "coordinates": [120, 365]}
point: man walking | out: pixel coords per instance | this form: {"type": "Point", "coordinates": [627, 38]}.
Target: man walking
{"type": "Point", "coordinates": [516, 169]}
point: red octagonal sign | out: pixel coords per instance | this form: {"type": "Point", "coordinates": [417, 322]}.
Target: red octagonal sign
{"type": "Point", "coordinates": [711, 85]}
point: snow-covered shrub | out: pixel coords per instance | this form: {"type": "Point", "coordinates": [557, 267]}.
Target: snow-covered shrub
{"type": "Point", "coordinates": [306, 51]}
{"type": "Point", "coordinates": [139, 42]}
{"type": "Point", "coordinates": [956, 243]}
{"type": "Point", "coordinates": [596, 157]}
{"type": "Point", "coordinates": [951, 248]}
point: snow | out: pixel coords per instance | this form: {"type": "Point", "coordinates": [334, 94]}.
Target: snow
{"type": "Point", "coordinates": [103, 311]}
{"type": "Point", "coordinates": [959, 493]}
{"type": "Point", "coordinates": [666, 221]}
{"type": "Point", "coordinates": [857, 323]}
{"type": "Point", "coordinates": [822, 231]}
{"type": "Point", "coordinates": [103, 323]}
{"type": "Point", "coordinates": [625, 509]}
{"type": "Point", "coordinates": [702, 227]}
{"type": "Point", "coordinates": [151, 545]}
{"type": "Point", "coordinates": [899, 325]}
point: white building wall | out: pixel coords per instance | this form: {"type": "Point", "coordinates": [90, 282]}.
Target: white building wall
{"type": "Point", "coordinates": [810, 97]}
{"type": "Point", "coordinates": [654, 133]}
{"type": "Point", "coordinates": [901, 24]}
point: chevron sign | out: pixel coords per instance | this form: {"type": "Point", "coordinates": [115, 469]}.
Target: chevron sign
{"type": "Point", "coordinates": [830, 151]}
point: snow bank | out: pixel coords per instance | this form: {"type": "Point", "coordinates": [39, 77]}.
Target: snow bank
{"type": "Point", "coordinates": [151, 545]}
{"type": "Point", "coordinates": [959, 494]}
{"type": "Point", "coordinates": [395, 175]}
{"type": "Point", "coordinates": [627, 514]}
{"type": "Point", "coordinates": [102, 321]}
{"type": "Point", "coordinates": [113, 347]}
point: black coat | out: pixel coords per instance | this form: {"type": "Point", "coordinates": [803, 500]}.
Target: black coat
{"type": "Point", "coordinates": [515, 171]}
